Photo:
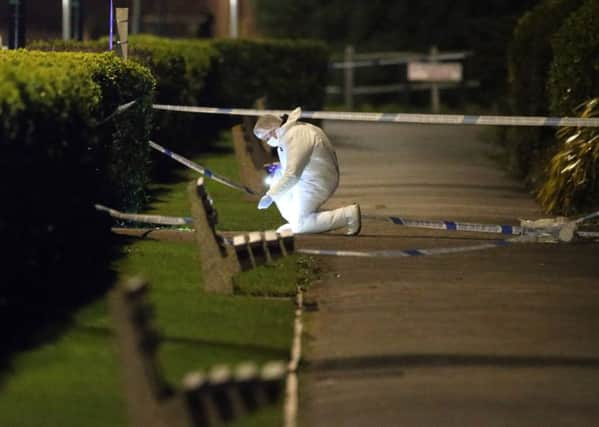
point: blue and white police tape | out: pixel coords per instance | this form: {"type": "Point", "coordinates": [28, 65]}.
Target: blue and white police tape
{"type": "Point", "coordinates": [119, 110]}
{"type": "Point", "coordinates": [449, 225]}
{"type": "Point", "coordinates": [201, 169]}
{"type": "Point", "coordinates": [412, 252]}
{"type": "Point", "coordinates": [446, 119]}
{"type": "Point", "coordinates": [147, 219]}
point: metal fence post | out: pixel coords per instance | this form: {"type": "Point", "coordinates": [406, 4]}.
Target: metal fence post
{"type": "Point", "coordinates": [349, 77]}
{"type": "Point", "coordinates": [435, 102]}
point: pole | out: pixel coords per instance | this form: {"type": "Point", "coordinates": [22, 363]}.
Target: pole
{"type": "Point", "coordinates": [136, 16]}
{"type": "Point", "coordinates": [111, 26]}
{"type": "Point", "coordinates": [122, 23]}
{"type": "Point", "coordinates": [349, 77]}
{"type": "Point", "coordinates": [16, 24]}
{"type": "Point", "coordinates": [435, 102]}
{"type": "Point", "coordinates": [233, 18]}
{"type": "Point", "coordinates": [66, 19]}
{"type": "Point", "coordinates": [77, 19]}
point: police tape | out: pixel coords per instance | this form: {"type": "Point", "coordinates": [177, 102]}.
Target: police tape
{"type": "Point", "coordinates": [201, 169]}
{"type": "Point", "coordinates": [449, 225]}
{"type": "Point", "coordinates": [118, 111]}
{"type": "Point", "coordinates": [146, 219]}
{"type": "Point", "coordinates": [560, 229]}
{"type": "Point", "coordinates": [446, 119]}
{"type": "Point", "coordinates": [544, 234]}
{"type": "Point", "coordinates": [413, 252]}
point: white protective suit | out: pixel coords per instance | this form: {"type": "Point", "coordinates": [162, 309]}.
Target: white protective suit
{"type": "Point", "coordinates": [308, 177]}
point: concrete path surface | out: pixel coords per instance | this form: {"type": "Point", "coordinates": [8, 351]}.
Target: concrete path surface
{"type": "Point", "coordinates": [500, 337]}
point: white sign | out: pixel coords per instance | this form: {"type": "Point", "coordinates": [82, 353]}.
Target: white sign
{"type": "Point", "coordinates": [435, 72]}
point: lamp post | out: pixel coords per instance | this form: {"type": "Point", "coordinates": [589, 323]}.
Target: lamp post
{"type": "Point", "coordinates": [66, 19]}
{"type": "Point", "coordinates": [136, 16]}
{"type": "Point", "coordinates": [16, 24]}
{"type": "Point", "coordinates": [233, 18]}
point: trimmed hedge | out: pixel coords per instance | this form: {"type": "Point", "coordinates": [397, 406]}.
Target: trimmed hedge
{"type": "Point", "coordinates": [572, 177]}
{"type": "Point", "coordinates": [217, 72]}
{"type": "Point", "coordinates": [574, 73]}
{"type": "Point", "coordinates": [287, 73]}
{"type": "Point", "coordinates": [57, 159]}
{"type": "Point", "coordinates": [554, 69]}
{"type": "Point", "coordinates": [226, 72]}
{"type": "Point", "coordinates": [530, 55]}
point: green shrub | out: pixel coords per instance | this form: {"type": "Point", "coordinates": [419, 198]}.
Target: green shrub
{"type": "Point", "coordinates": [179, 66]}
{"type": "Point", "coordinates": [171, 69]}
{"type": "Point", "coordinates": [57, 159]}
{"type": "Point", "coordinates": [529, 58]}
{"type": "Point", "coordinates": [572, 183]}
{"type": "Point", "coordinates": [574, 73]}
{"type": "Point", "coordinates": [227, 73]}
{"type": "Point", "coordinates": [573, 86]}
{"type": "Point", "coordinates": [288, 73]}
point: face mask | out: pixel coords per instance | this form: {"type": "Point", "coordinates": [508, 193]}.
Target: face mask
{"type": "Point", "coordinates": [273, 142]}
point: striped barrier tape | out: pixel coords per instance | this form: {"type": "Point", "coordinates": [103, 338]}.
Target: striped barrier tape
{"type": "Point", "coordinates": [147, 219]}
{"type": "Point", "coordinates": [446, 119]}
{"type": "Point", "coordinates": [412, 252]}
{"type": "Point", "coordinates": [201, 169]}
{"type": "Point", "coordinates": [544, 230]}
{"type": "Point", "coordinates": [119, 110]}
{"type": "Point", "coordinates": [449, 225]}
{"type": "Point", "coordinates": [544, 233]}
{"type": "Point", "coordinates": [547, 229]}
{"type": "Point", "coordinates": [588, 234]}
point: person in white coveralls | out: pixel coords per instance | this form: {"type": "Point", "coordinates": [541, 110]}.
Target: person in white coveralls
{"type": "Point", "coordinates": [307, 178]}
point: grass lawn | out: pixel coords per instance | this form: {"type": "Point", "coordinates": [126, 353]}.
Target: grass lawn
{"type": "Point", "coordinates": [73, 379]}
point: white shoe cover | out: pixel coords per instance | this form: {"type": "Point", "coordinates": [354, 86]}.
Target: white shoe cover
{"type": "Point", "coordinates": [285, 228]}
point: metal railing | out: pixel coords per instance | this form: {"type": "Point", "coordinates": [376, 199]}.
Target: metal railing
{"type": "Point", "coordinates": [353, 61]}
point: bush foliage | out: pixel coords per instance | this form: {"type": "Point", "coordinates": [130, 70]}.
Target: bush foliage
{"type": "Point", "coordinates": [572, 183]}
{"type": "Point", "coordinates": [58, 158]}
{"type": "Point", "coordinates": [554, 69]}
{"type": "Point", "coordinates": [61, 158]}
{"type": "Point", "coordinates": [224, 73]}
{"type": "Point", "coordinates": [574, 73]}
{"type": "Point", "coordinates": [530, 55]}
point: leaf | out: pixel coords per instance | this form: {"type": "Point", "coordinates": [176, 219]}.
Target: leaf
{"type": "Point", "coordinates": [570, 167]}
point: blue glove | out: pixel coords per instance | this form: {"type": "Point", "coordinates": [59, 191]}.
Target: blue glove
{"type": "Point", "coordinates": [265, 202]}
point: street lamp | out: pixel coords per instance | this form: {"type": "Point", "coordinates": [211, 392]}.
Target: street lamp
{"type": "Point", "coordinates": [66, 19]}
{"type": "Point", "coordinates": [136, 16]}
{"type": "Point", "coordinates": [16, 24]}
{"type": "Point", "coordinates": [233, 18]}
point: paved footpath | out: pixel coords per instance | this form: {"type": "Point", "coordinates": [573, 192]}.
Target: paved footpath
{"type": "Point", "coordinates": [501, 337]}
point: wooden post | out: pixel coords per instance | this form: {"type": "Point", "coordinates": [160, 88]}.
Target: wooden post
{"type": "Point", "coordinates": [136, 340]}
{"type": "Point", "coordinates": [435, 101]}
{"type": "Point", "coordinates": [349, 78]}
{"type": "Point", "coordinates": [219, 262]}
{"type": "Point", "coordinates": [251, 153]}
{"type": "Point", "coordinates": [122, 23]}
